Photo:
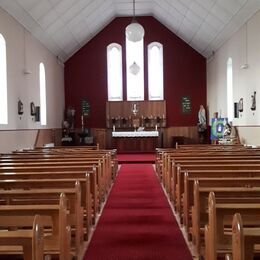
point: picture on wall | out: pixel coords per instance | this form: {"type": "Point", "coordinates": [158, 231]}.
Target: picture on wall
{"type": "Point", "coordinates": [253, 101]}
{"type": "Point", "coordinates": [236, 112]}
{"type": "Point", "coordinates": [186, 104]}
{"type": "Point", "coordinates": [240, 105]}
{"type": "Point", "coordinates": [20, 107]}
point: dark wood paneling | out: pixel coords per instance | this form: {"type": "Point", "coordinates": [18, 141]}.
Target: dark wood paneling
{"type": "Point", "coordinates": [122, 110]}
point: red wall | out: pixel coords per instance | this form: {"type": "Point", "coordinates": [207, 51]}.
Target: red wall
{"type": "Point", "coordinates": [184, 73]}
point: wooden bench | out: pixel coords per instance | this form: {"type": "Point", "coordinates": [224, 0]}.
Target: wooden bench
{"type": "Point", "coordinates": [108, 155]}
{"type": "Point", "coordinates": [50, 183]}
{"type": "Point", "coordinates": [170, 176]}
{"type": "Point", "coordinates": [217, 238]}
{"type": "Point", "coordinates": [109, 164]}
{"type": "Point", "coordinates": [44, 196]}
{"type": "Point", "coordinates": [171, 164]}
{"type": "Point", "coordinates": [24, 166]}
{"type": "Point", "coordinates": [244, 239]}
{"type": "Point", "coordinates": [236, 178]}
{"type": "Point", "coordinates": [200, 208]}
{"type": "Point", "coordinates": [30, 240]}
{"type": "Point", "coordinates": [60, 171]}
{"type": "Point", "coordinates": [58, 242]}
{"type": "Point", "coordinates": [178, 185]}
{"type": "Point", "coordinates": [103, 177]}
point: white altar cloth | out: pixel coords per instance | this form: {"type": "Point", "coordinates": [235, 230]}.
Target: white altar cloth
{"type": "Point", "coordinates": [135, 134]}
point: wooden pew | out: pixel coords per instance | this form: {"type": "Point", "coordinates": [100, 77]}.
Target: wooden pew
{"type": "Point", "coordinates": [58, 242]}
{"type": "Point", "coordinates": [39, 183]}
{"type": "Point", "coordinates": [42, 163]}
{"type": "Point", "coordinates": [171, 162]}
{"type": "Point", "coordinates": [102, 180]}
{"type": "Point", "coordinates": [48, 196]}
{"type": "Point", "coordinates": [108, 155]}
{"type": "Point", "coordinates": [61, 171]}
{"type": "Point", "coordinates": [211, 146]}
{"type": "Point", "coordinates": [225, 178]}
{"type": "Point", "coordinates": [217, 239]}
{"type": "Point", "coordinates": [178, 185]}
{"type": "Point", "coordinates": [200, 208]}
{"type": "Point", "coordinates": [30, 240]}
{"type": "Point", "coordinates": [163, 164]}
{"type": "Point", "coordinates": [189, 157]}
{"type": "Point", "coordinates": [84, 147]}
{"type": "Point", "coordinates": [244, 239]}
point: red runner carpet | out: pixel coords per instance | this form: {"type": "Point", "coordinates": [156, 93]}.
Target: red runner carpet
{"type": "Point", "coordinates": [137, 222]}
{"type": "Point", "coordinates": [136, 158]}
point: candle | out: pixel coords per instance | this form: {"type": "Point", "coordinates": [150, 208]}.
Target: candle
{"type": "Point", "coordinates": [82, 120]}
{"type": "Point", "coordinates": [156, 128]}
{"type": "Point", "coordinates": [114, 128]}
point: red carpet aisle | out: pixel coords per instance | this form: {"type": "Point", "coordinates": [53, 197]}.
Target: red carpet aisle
{"type": "Point", "coordinates": [137, 222]}
{"type": "Point", "coordinates": [136, 158]}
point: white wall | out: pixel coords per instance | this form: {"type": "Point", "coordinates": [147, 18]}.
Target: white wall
{"type": "Point", "coordinates": [245, 81]}
{"type": "Point", "coordinates": [24, 52]}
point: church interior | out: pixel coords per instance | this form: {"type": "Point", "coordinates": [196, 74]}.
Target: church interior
{"type": "Point", "coordinates": [129, 129]}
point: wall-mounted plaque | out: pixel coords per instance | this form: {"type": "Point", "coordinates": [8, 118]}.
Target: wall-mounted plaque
{"type": "Point", "coordinates": [186, 104]}
{"type": "Point", "coordinates": [85, 107]}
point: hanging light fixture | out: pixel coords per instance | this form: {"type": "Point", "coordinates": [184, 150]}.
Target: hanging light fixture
{"type": "Point", "coordinates": [134, 68]}
{"type": "Point", "coordinates": [134, 31]}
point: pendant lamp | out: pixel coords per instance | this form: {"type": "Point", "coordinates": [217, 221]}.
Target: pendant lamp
{"type": "Point", "coordinates": [134, 31]}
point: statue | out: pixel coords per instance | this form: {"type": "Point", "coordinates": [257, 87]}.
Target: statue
{"type": "Point", "coordinates": [71, 117]}
{"type": "Point", "coordinates": [202, 125]}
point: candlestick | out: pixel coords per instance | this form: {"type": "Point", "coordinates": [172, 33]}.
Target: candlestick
{"type": "Point", "coordinates": [82, 120]}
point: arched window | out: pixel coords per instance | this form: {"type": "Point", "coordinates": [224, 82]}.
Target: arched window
{"type": "Point", "coordinates": [230, 107]}
{"type": "Point", "coordinates": [135, 70]}
{"type": "Point", "coordinates": [3, 82]}
{"type": "Point", "coordinates": [114, 72]}
{"type": "Point", "coordinates": [43, 107]}
{"type": "Point", "coordinates": [155, 71]}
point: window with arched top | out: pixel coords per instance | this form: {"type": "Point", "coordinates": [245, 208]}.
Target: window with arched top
{"type": "Point", "coordinates": [155, 71]}
{"type": "Point", "coordinates": [114, 72]}
{"type": "Point", "coordinates": [230, 106]}
{"type": "Point", "coordinates": [135, 70]}
{"type": "Point", "coordinates": [3, 82]}
{"type": "Point", "coordinates": [43, 107]}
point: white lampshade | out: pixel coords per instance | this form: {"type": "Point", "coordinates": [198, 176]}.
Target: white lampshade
{"type": "Point", "coordinates": [134, 32]}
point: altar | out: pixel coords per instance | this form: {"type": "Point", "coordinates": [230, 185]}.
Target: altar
{"type": "Point", "coordinates": [135, 141]}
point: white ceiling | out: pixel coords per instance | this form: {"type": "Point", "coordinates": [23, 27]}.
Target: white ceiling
{"type": "Point", "coordinates": [64, 26]}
